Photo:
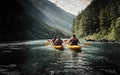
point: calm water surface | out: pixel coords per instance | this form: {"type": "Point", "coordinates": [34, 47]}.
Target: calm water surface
{"type": "Point", "coordinates": [33, 58]}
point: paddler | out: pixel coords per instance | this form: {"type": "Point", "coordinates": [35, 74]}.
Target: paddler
{"type": "Point", "coordinates": [58, 42]}
{"type": "Point", "coordinates": [54, 39]}
{"type": "Point", "coordinates": [74, 40]}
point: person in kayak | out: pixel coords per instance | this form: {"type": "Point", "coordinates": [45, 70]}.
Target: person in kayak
{"type": "Point", "coordinates": [74, 41]}
{"type": "Point", "coordinates": [58, 41]}
{"type": "Point", "coordinates": [54, 39]}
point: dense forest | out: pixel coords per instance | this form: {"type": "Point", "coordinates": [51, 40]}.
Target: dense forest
{"type": "Point", "coordinates": [100, 20]}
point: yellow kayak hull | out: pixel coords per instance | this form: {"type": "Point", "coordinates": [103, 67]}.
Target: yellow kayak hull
{"type": "Point", "coordinates": [58, 47]}
{"type": "Point", "coordinates": [73, 47]}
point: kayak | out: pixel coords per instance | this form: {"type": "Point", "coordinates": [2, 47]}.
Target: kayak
{"type": "Point", "coordinates": [58, 47]}
{"type": "Point", "coordinates": [74, 47]}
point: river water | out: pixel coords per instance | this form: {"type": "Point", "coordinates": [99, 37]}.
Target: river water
{"type": "Point", "coordinates": [33, 58]}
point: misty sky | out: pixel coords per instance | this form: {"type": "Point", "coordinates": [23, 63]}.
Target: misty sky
{"type": "Point", "coordinates": [72, 6]}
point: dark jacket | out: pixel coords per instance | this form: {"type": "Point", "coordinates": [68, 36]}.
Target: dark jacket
{"type": "Point", "coordinates": [58, 42]}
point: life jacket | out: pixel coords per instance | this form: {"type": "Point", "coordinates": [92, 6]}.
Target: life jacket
{"type": "Point", "coordinates": [58, 42]}
{"type": "Point", "coordinates": [74, 41]}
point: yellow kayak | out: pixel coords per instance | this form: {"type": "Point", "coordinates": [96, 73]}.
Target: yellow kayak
{"type": "Point", "coordinates": [73, 47]}
{"type": "Point", "coordinates": [58, 47]}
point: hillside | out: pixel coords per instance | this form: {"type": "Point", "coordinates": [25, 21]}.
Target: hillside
{"type": "Point", "coordinates": [100, 20]}
{"type": "Point", "coordinates": [21, 20]}
{"type": "Point", "coordinates": [53, 15]}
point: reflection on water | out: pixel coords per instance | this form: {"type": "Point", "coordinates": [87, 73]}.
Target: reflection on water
{"type": "Point", "coordinates": [33, 58]}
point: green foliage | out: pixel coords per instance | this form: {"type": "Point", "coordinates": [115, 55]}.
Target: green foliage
{"type": "Point", "coordinates": [118, 29]}
{"type": "Point", "coordinates": [101, 19]}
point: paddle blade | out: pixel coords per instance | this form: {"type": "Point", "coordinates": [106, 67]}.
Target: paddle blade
{"type": "Point", "coordinates": [47, 43]}
{"type": "Point", "coordinates": [65, 40]}
{"type": "Point", "coordinates": [49, 40]}
{"type": "Point", "coordinates": [86, 44]}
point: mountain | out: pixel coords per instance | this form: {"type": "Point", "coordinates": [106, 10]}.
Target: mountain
{"type": "Point", "coordinates": [72, 6]}
{"type": "Point", "coordinates": [100, 20]}
{"type": "Point", "coordinates": [55, 16]}
{"type": "Point", "coordinates": [21, 20]}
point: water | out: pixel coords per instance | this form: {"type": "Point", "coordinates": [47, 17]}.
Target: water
{"type": "Point", "coordinates": [33, 58]}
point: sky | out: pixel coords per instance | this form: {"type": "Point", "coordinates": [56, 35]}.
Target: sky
{"type": "Point", "coordinates": [72, 6]}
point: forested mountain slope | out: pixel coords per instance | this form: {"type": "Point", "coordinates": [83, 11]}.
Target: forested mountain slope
{"type": "Point", "coordinates": [100, 20]}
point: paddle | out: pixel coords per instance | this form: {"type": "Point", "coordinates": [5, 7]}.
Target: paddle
{"type": "Point", "coordinates": [65, 41]}
{"type": "Point", "coordinates": [86, 44]}
{"type": "Point", "coordinates": [48, 42]}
